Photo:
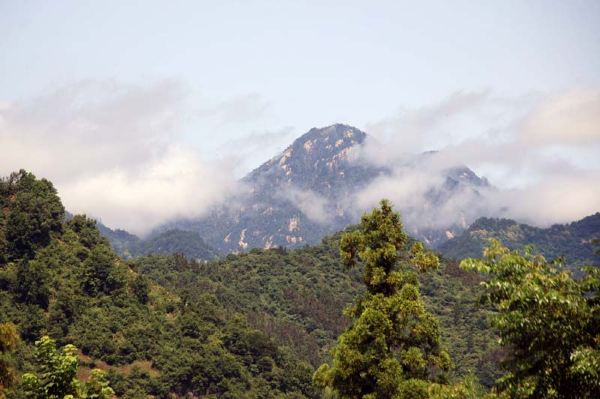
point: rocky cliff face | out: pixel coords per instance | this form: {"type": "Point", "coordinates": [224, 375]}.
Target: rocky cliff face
{"type": "Point", "coordinates": [307, 191]}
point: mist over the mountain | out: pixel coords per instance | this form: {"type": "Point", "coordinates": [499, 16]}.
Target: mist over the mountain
{"type": "Point", "coordinates": [299, 199]}
{"type": "Point", "coordinates": [329, 176]}
{"type": "Point", "coordinates": [117, 152]}
{"type": "Point", "coordinates": [533, 150]}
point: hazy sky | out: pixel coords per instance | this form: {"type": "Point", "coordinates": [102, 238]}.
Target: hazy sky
{"type": "Point", "coordinates": [229, 83]}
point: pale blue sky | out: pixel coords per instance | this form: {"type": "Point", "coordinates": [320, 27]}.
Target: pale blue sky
{"type": "Point", "coordinates": [311, 63]}
{"type": "Point", "coordinates": [120, 102]}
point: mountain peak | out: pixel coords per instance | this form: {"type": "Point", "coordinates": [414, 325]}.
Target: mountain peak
{"type": "Point", "coordinates": [312, 188]}
{"type": "Point", "coordinates": [313, 159]}
{"type": "Point", "coordinates": [332, 138]}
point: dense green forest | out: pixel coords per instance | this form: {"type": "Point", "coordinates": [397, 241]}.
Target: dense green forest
{"type": "Point", "coordinates": [62, 279]}
{"type": "Point", "coordinates": [259, 324]}
{"type": "Point", "coordinates": [574, 242]}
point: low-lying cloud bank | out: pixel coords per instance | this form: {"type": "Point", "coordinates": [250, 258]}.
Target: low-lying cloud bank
{"type": "Point", "coordinates": [540, 152]}
{"type": "Point", "coordinates": [114, 152]}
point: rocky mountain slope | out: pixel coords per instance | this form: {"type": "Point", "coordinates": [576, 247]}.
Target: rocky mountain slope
{"type": "Point", "coordinates": [572, 241]}
{"type": "Point", "coordinates": [309, 190]}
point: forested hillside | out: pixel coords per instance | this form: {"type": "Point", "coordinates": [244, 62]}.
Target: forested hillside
{"type": "Point", "coordinates": [61, 279]}
{"type": "Point", "coordinates": [248, 323]}
{"type": "Point", "coordinates": [188, 243]}
{"type": "Point", "coordinates": [252, 325]}
{"type": "Point", "coordinates": [574, 241]}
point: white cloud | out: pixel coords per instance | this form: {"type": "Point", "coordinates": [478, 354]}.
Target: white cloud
{"type": "Point", "coordinates": [405, 187]}
{"type": "Point", "coordinates": [549, 201]}
{"type": "Point", "coordinates": [312, 205]}
{"type": "Point", "coordinates": [541, 151]}
{"type": "Point", "coordinates": [450, 121]}
{"type": "Point", "coordinates": [250, 150]}
{"type": "Point", "coordinates": [571, 118]}
{"type": "Point", "coordinates": [113, 151]}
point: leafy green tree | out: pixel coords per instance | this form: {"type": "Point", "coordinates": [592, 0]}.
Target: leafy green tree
{"type": "Point", "coordinates": [32, 283]}
{"type": "Point", "coordinates": [392, 349]}
{"type": "Point", "coordinates": [56, 377]}
{"type": "Point", "coordinates": [33, 322]}
{"type": "Point", "coordinates": [140, 288]}
{"type": "Point", "coordinates": [548, 322]}
{"type": "Point", "coordinates": [468, 388]}
{"type": "Point", "coordinates": [9, 339]}
{"type": "Point", "coordinates": [97, 386]}
{"type": "Point", "coordinates": [34, 213]}
{"type": "Point", "coordinates": [56, 374]}
{"type": "Point", "coordinates": [86, 230]}
{"type": "Point", "coordinates": [101, 274]}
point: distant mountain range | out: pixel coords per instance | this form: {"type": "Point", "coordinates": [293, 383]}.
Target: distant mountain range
{"type": "Point", "coordinates": [310, 190]}
{"type": "Point", "coordinates": [307, 192]}
{"type": "Point", "coordinates": [571, 241]}
{"type": "Point", "coordinates": [188, 243]}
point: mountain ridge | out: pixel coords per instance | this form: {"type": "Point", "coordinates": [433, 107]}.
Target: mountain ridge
{"type": "Point", "coordinates": [308, 191]}
{"type": "Point", "coordinates": [573, 240]}
{"type": "Point", "coordinates": [168, 242]}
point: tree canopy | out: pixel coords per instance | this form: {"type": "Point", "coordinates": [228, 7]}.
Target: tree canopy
{"type": "Point", "coordinates": [56, 376]}
{"type": "Point", "coordinates": [548, 321]}
{"type": "Point", "coordinates": [392, 349]}
{"type": "Point", "coordinates": [257, 324]}
{"type": "Point", "coordinates": [9, 339]}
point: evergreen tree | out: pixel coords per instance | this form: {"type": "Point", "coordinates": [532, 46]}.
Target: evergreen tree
{"type": "Point", "coordinates": [392, 349]}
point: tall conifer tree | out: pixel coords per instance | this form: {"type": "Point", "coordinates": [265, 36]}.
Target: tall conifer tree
{"type": "Point", "coordinates": [392, 348]}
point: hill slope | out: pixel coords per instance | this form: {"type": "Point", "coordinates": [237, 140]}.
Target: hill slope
{"type": "Point", "coordinates": [60, 278]}
{"type": "Point", "coordinates": [250, 325]}
{"type": "Point", "coordinates": [571, 241]}
{"type": "Point", "coordinates": [298, 296]}
{"type": "Point", "coordinates": [187, 243]}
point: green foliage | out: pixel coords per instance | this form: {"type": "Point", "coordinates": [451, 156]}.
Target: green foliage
{"type": "Point", "coordinates": [548, 321]}
{"type": "Point", "coordinates": [97, 387]}
{"type": "Point", "coordinates": [186, 243]}
{"type": "Point", "coordinates": [56, 372]}
{"type": "Point", "coordinates": [9, 339]}
{"type": "Point", "coordinates": [32, 284]}
{"type": "Point", "coordinates": [152, 337]}
{"type": "Point", "coordinates": [100, 274]}
{"type": "Point", "coordinates": [392, 349]}
{"type": "Point", "coordinates": [86, 230]}
{"type": "Point", "coordinates": [141, 289]}
{"type": "Point", "coordinates": [34, 213]}
{"type": "Point", "coordinates": [55, 377]}
{"type": "Point", "coordinates": [251, 325]}
{"type": "Point", "coordinates": [468, 388]}
{"type": "Point", "coordinates": [297, 297]}
{"type": "Point", "coordinates": [573, 242]}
